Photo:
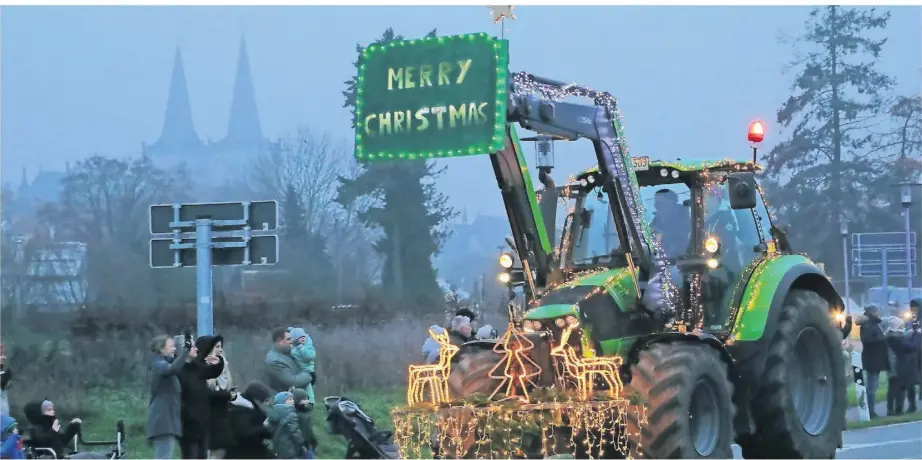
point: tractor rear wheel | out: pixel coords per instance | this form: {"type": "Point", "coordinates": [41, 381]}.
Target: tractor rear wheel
{"type": "Point", "coordinates": [470, 374]}
{"type": "Point", "coordinates": [689, 403]}
{"type": "Point", "coordinates": [800, 410]}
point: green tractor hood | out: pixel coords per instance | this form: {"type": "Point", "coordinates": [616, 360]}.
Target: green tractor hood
{"type": "Point", "coordinates": [616, 282]}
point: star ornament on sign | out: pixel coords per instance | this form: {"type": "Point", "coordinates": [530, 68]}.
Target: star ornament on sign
{"type": "Point", "coordinates": [501, 12]}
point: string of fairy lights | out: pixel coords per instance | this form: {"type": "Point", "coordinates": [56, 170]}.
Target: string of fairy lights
{"type": "Point", "coordinates": [525, 83]}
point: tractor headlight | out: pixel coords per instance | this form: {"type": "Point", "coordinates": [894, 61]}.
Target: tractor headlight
{"type": "Point", "coordinates": [712, 263]}
{"type": "Point", "coordinates": [504, 277]}
{"type": "Point", "coordinates": [711, 245]}
{"type": "Point", "coordinates": [505, 260]}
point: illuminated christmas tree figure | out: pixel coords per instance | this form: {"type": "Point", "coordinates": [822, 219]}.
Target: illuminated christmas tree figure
{"type": "Point", "coordinates": [516, 370]}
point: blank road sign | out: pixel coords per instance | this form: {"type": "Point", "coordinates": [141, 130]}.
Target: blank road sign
{"type": "Point", "coordinates": [875, 256]}
{"type": "Point", "coordinates": [264, 250]}
{"type": "Point", "coordinates": [894, 270]}
{"type": "Point", "coordinates": [263, 215]}
{"type": "Point", "coordinates": [882, 239]}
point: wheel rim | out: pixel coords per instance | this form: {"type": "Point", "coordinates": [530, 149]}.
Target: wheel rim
{"type": "Point", "coordinates": [810, 374]}
{"type": "Point", "coordinates": [704, 418]}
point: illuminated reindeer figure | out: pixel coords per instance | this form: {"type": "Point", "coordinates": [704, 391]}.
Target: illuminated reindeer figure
{"type": "Point", "coordinates": [435, 376]}
{"type": "Point", "coordinates": [584, 370]}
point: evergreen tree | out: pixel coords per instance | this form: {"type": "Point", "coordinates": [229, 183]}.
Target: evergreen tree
{"type": "Point", "coordinates": [410, 211]}
{"type": "Point", "coordinates": [820, 174]}
{"type": "Point", "coordinates": [293, 216]}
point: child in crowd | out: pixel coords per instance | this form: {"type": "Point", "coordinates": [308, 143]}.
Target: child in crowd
{"type": "Point", "coordinates": [10, 439]}
{"type": "Point", "coordinates": [287, 440]}
{"type": "Point", "coordinates": [431, 347]}
{"type": "Point", "coordinates": [304, 353]}
{"type": "Point", "coordinates": [303, 408]}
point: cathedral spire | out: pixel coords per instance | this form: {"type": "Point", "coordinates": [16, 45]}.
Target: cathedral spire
{"type": "Point", "coordinates": [178, 132]}
{"type": "Point", "coordinates": [243, 127]}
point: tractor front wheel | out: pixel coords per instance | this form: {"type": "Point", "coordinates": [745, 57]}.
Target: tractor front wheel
{"type": "Point", "coordinates": [800, 410]}
{"type": "Point", "coordinates": [688, 399]}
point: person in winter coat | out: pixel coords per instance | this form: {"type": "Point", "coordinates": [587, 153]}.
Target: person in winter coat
{"type": "Point", "coordinates": [249, 426]}
{"type": "Point", "coordinates": [906, 346]}
{"type": "Point", "coordinates": [46, 431]}
{"type": "Point", "coordinates": [287, 439]}
{"type": "Point", "coordinates": [303, 408]}
{"type": "Point", "coordinates": [874, 356]}
{"type": "Point", "coordinates": [10, 439]}
{"type": "Point", "coordinates": [219, 431]}
{"type": "Point", "coordinates": [305, 355]}
{"type": "Point", "coordinates": [197, 397]}
{"type": "Point", "coordinates": [282, 372]}
{"type": "Point", "coordinates": [164, 424]}
{"type": "Point", "coordinates": [895, 393]}
{"type": "Point", "coordinates": [431, 347]}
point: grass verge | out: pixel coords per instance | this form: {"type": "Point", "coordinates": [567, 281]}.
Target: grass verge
{"type": "Point", "coordinates": [880, 394]}
{"type": "Point", "coordinates": [882, 421]}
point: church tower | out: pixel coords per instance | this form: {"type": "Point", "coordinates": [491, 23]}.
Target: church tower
{"type": "Point", "coordinates": [178, 137]}
{"type": "Point", "coordinates": [244, 133]}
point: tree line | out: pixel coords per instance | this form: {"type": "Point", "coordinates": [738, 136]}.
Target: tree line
{"type": "Point", "coordinates": [849, 138]}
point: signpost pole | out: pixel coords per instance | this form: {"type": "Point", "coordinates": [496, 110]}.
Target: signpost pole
{"type": "Point", "coordinates": [885, 283]}
{"type": "Point", "coordinates": [203, 281]}
{"type": "Point", "coordinates": [844, 230]}
{"type": "Point", "coordinates": [906, 199]}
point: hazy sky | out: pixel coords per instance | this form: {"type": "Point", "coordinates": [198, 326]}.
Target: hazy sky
{"type": "Point", "coordinates": [84, 80]}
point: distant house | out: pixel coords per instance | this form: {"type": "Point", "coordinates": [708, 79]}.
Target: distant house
{"type": "Point", "coordinates": [55, 277]}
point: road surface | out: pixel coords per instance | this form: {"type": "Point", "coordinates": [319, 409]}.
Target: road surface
{"type": "Point", "coordinates": [902, 440]}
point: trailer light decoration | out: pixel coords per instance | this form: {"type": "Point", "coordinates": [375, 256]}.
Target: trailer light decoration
{"type": "Point", "coordinates": [711, 245]}
{"type": "Point", "coordinates": [505, 260]}
{"type": "Point", "coordinates": [518, 369]}
{"type": "Point", "coordinates": [433, 377]}
{"type": "Point", "coordinates": [586, 370]}
{"type": "Point", "coordinates": [431, 98]}
{"type": "Point", "coordinates": [756, 132]}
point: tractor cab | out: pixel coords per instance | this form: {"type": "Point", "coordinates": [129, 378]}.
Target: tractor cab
{"type": "Point", "coordinates": [707, 217]}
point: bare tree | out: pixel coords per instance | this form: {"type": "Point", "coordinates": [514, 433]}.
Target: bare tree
{"type": "Point", "coordinates": [308, 163]}
{"type": "Point", "coordinates": [104, 203]}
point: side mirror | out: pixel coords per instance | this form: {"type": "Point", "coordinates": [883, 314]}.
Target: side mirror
{"type": "Point", "coordinates": [742, 190]}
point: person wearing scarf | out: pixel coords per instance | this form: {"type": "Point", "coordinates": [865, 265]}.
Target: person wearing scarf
{"type": "Point", "coordinates": [220, 433]}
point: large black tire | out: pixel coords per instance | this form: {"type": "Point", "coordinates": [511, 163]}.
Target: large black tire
{"type": "Point", "coordinates": [807, 344]}
{"type": "Point", "coordinates": [470, 374]}
{"type": "Point", "coordinates": [676, 381]}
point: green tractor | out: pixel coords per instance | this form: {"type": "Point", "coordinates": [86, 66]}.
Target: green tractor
{"type": "Point", "coordinates": [726, 336]}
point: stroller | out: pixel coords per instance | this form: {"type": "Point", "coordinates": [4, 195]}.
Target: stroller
{"type": "Point", "coordinates": [346, 418]}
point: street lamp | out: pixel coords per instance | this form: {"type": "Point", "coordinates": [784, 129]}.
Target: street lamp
{"type": "Point", "coordinates": [843, 230]}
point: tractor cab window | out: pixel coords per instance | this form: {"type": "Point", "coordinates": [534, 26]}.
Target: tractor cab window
{"type": "Point", "coordinates": [667, 209]}
{"type": "Point", "coordinates": [595, 238]}
{"type": "Point", "coordinates": [739, 243]}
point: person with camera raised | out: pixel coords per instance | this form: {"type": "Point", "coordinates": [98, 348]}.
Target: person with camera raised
{"type": "Point", "coordinates": [164, 424]}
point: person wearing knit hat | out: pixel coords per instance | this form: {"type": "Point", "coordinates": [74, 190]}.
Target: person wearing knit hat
{"type": "Point", "coordinates": [10, 439]}
{"type": "Point", "coordinates": [287, 439]}
{"type": "Point", "coordinates": [47, 431]}
{"type": "Point", "coordinates": [303, 407]}
{"type": "Point", "coordinates": [305, 356]}
{"type": "Point", "coordinates": [461, 330]}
